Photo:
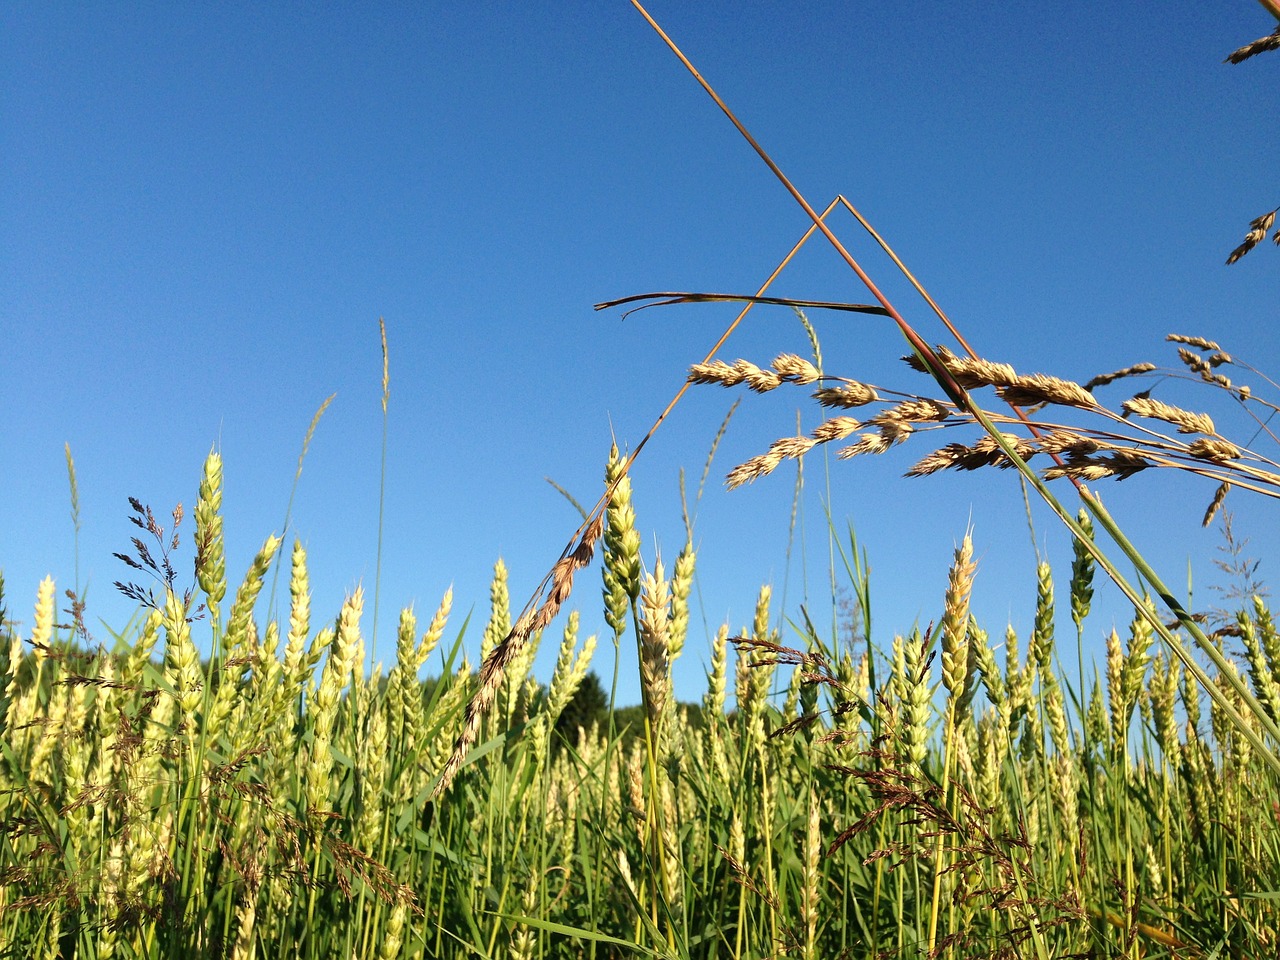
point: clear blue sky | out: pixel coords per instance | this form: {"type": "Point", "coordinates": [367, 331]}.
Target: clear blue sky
{"type": "Point", "coordinates": [206, 208]}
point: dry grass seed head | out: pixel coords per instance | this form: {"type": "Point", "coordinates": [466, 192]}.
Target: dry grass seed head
{"type": "Point", "coordinates": [1200, 343]}
{"type": "Point", "coordinates": [1132, 371]}
{"type": "Point", "coordinates": [846, 396]}
{"type": "Point", "coordinates": [1219, 496]}
{"type": "Point", "coordinates": [733, 374]}
{"type": "Point", "coordinates": [1041, 388]}
{"type": "Point", "coordinates": [837, 428]}
{"type": "Point", "coordinates": [1184, 420]}
{"type": "Point", "coordinates": [919, 410]}
{"type": "Point", "coordinates": [1210, 448]}
{"type": "Point", "coordinates": [867, 443]}
{"type": "Point", "coordinates": [795, 369]}
{"type": "Point", "coordinates": [985, 453]}
{"type": "Point", "coordinates": [1263, 44]}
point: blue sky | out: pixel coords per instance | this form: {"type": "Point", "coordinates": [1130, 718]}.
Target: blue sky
{"type": "Point", "coordinates": [207, 208]}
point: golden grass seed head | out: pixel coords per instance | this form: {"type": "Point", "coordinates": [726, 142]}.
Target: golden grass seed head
{"type": "Point", "coordinates": [836, 428]}
{"type": "Point", "coordinates": [1184, 420]}
{"type": "Point", "coordinates": [1137, 659]}
{"type": "Point", "coordinates": [955, 620]}
{"type": "Point", "coordinates": [1031, 746]}
{"type": "Point", "coordinates": [970, 373]}
{"type": "Point", "coordinates": [760, 621]}
{"type": "Point", "coordinates": [655, 659]}
{"type": "Point", "coordinates": [794, 369]}
{"type": "Point", "coordinates": [751, 470]}
{"type": "Point", "coordinates": [1136, 369]}
{"type": "Point", "coordinates": [10, 663]}
{"type": "Point", "coordinates": [786, 448]}
{"type": "Point", "coordinates": [1231, 740]}
{"type": "Point", "coordinates": [1036, 388]}
{"type": "Point", "coordinates": [731, 375]}
{"type": "Point", "coordinates": [1194, 362]}
{"type": "Point", "coordinates": [1200, 343]}
{"type": "Point", "coordinates": [942, 459]}
{"type": "Point", "coordinates": [918, 410]}
{"type": "Point", "coordinates": [848, 395]}
{"type": "Point", "coordinates": [1120, 464]}
{"type": "Point", "coordinates": [211, 563]}
{"type": "Point", "coordinates": [1213, 449]}
{"type": "Point", "coordinates": [713, 371]}
{"type": "Point", "coordinates": [1069, 442]}
{"type": "Point", "coordinates": [42, 625]}
{"type": "Point", "coordinates": [984, 453]}
{"type": "Point", "coordinates": [868, 443]}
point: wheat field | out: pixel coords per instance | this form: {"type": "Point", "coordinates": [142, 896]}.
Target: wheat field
{"type": "Point", "coordinates": [952, 792]}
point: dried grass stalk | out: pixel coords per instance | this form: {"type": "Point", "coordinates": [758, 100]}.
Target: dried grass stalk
{"type": "Point", "coordinates": [495, 665]}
